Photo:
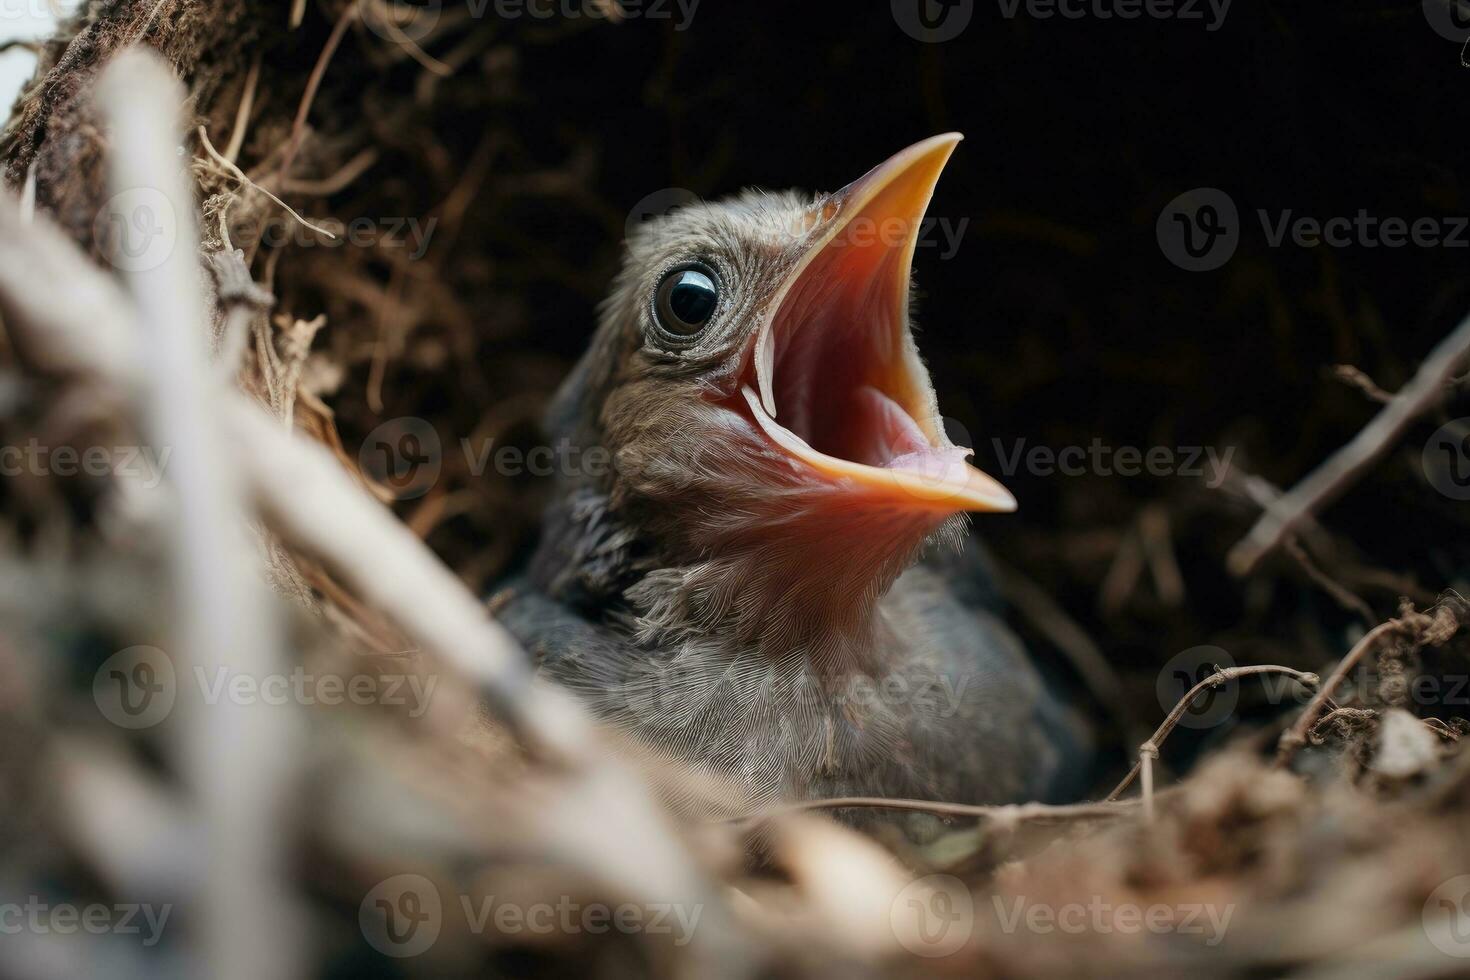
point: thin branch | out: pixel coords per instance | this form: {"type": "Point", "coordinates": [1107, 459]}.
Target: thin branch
{"type": "Point", "coordinates": [1345, 597]}
{"type": "Point", "coordinates": [242, 114]}
{"type": "Point", "coordinates": [314, 82]}
{"type": "Point", "coordinates": [1147, 753]}
{"type": "Point", "coordinates": [387, 19]}
{"type": "Point", "coordinates": [350, 171]}
{"type": "Point", "coordinates": [28, 196]}
{"type": "Point", "coordinates": [1010, 813]}
{"type": "Point", "coordinates": [1158, 550]}
{"type": "Point", "coordinates": [1296, 736]}
{"type": "Point", "coordinates": [1350, 375]}
{"type": "Point", "coordinates": [1343, 468]}
{"type": "Point", "coordinates": [239, 175]}
{"type": "Point", "coordinates": [1156, 741]}
{"type": "Point", "coordinates": [148, 23]}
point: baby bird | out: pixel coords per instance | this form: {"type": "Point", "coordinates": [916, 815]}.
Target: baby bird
{"type": "Point", "coordinates": [729, 569]}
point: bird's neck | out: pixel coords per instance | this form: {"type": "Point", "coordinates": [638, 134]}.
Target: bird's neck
{"type": "Point", "coordinates": [788, 577]}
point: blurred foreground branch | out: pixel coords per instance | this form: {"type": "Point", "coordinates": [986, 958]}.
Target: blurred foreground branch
{"type": "Point", "coordinates": [92, 329]}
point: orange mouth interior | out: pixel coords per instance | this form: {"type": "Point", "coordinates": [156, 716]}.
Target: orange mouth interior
{"type": "Point", "coordinates": [836, 364]}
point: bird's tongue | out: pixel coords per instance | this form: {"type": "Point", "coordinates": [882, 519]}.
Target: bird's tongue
{"type": "Point", "coordinates": [897, 443]}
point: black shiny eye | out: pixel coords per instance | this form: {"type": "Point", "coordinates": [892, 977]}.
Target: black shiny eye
{"type": "Point", "coordinates": [686, 299]}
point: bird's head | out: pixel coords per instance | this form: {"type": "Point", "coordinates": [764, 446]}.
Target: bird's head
{"type": "Point", "coordinates": [756, 383]}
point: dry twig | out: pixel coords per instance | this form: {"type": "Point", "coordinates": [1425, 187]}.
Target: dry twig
{"type": "Point", "coordinates": [240, 756]}
{"type": "Point", "coordinates": [239, 175]}
{"type": "Point", "coordinates": [1296, 736]}
{"type": "Point", "coordinates": [314, 82]}
{"type": "Point", "coordinates": [1005, 814]}
{"type": "Point", "coordinates": [1344, 467]}
{"type": "Point", "coordinates": [1150, 748]}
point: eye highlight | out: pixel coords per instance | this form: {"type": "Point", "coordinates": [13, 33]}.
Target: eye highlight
{"type": "Point", "coordinates": [685, 300]}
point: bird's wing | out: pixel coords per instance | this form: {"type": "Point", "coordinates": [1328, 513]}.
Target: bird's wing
{"type": "Point", "coordinates": [964, 612]}
{"type": "Point", "coordinates": [561, 641]}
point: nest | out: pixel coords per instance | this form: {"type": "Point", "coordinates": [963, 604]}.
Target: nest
{"type": "Point", "coordinates": [287, 835]}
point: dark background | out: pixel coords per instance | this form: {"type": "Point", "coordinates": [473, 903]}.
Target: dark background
{"type": "Point", "coordinates": [1059, 319]}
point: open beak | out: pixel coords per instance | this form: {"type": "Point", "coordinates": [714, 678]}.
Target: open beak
{"type": "Point", "coordinates": [836, 361]}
